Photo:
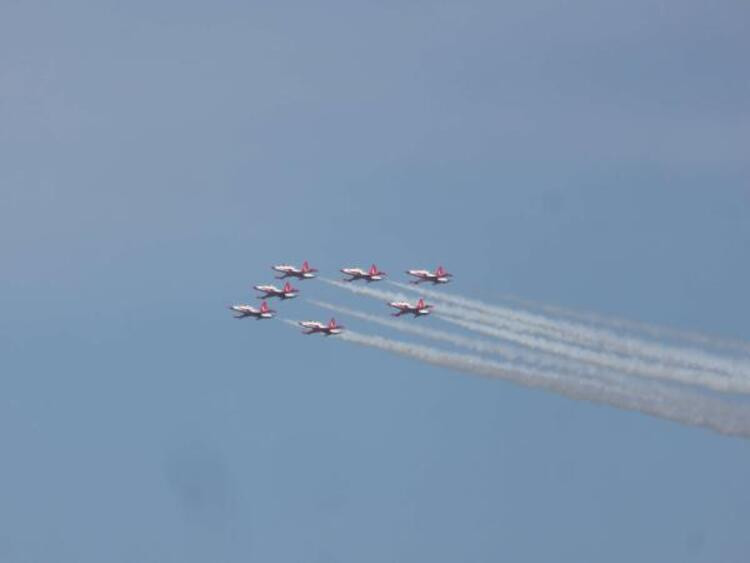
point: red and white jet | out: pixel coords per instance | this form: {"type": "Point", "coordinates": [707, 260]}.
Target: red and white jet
{"type": "Point", "coordinates": [269, 291]}
{"type": "Point", "coordinates": [438, 276]}
{"type": "Point", "coordinates": [303, 273]}
{"type": "Point", "coordinates": [327, 330]}
{"type": "Point", "coordinates": [244, 311]}
{"type": "Point", "coordinates": [371, 275]}
{"type": "Point", "coordinates": [404, 307]}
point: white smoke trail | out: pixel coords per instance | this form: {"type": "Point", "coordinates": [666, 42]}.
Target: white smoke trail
{"type": "Point", "coordinates": [675, 405]}
{"type": "Point", "coordinates": [481, 346]}
{"type": "Point", "coordinates": [380, 294]}
{"type": "Point", "coordinates": [588, 336]}
{"type": "Point", "coordinates": [489, 325]}
{"type": "Point", "coordinates": [512, 354]}
{"type": "Point", "coordinates": [633, 366]}
{"type": "Point", "coordinates": [629, 325]}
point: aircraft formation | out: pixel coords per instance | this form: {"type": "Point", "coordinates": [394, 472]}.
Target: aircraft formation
{"type": "Point", "coordinates": [305, 272]}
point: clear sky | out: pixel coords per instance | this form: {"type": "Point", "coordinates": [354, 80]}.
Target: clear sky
{"type": "Point", "coordinates": [157, 157]}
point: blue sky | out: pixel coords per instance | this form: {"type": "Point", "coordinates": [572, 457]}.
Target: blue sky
{"type": "Point", "coordinates": [157, 157]}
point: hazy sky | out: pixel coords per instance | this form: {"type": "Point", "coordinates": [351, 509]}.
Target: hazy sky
{"type": "Point", "coordinates": [157, 157]}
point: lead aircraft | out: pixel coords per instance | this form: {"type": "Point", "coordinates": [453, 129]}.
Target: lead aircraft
{"type": "Point", "coordinates": [317, 327]}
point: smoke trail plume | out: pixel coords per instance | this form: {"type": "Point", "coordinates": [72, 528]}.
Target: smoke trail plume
{"type": "Point", "coordinates": [602, 339]}
{"type": "Point", "coordinates": [509, 353]}
{"type": "Point", "coordinates": [384, 296]}
{"type": "Point", "coordinates": [633, 366]}
{"type": "Point", "coordinates": [439, 335]}
{"type": "Point", "coordinates": [635, 327]}
{"type": "Point", "coordinates": [489, 325]}
{"type": "Point", "coordinates": [678, 406]}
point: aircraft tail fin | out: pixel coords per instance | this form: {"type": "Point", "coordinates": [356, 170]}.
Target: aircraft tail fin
{"type": "Point", "coordinates": [332, 323]}
{"type": "Point", "coordinates": [420, 303]}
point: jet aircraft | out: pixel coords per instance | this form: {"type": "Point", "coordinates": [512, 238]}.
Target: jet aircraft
{"type": "Point", "coordinates": [404, 308]}
{"type": "Point", "coordinates": [287, 271]}
{"type": "Point", "coordinates": [438, 276]}
{"type": "Point", "coordinates": [317, 327]}
{"type": "Point", "coordinates": [269, 291]}
{"type": "Point", "coordinates": [371, 275]}
{"type": "Point", "coordinates": [244, 311]}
